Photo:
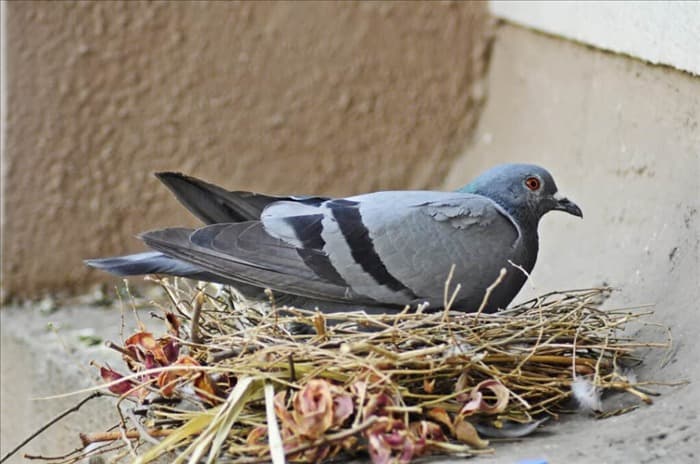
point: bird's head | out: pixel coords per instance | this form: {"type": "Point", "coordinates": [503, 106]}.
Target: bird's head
{"type": "Point", "coordinates": [526, 191]}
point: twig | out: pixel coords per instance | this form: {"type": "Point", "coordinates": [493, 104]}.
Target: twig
{"type": "Point", "coordinates": [123, 430]}
{"type": "Point", "coordinates": [49, 424]}
{"type": "Point", "coordinates": [88, 438]}
{"type": "Point", "coordinates": [226, 354]}
{"type": "Point", "coordinates": [334, 437]}
{"type": "Point", "coordinates": [487, 295]}
{"type": "Point", "coordinates": [527, 274]}
{"type": "Point", "coordinates": [113, 346]}
{"type": "Point", "coordinates": [140, 428]}
{"type": "Point", "coordinates": [62, 457]}
{"type": "Point", "coordinates": [315, 444]}
{"type": "Point", "coordinates": [196, 316]}
{"type": "Point", "coordinates": [70, 458]}
{"type": "Point", "coordinates": [292, 371]}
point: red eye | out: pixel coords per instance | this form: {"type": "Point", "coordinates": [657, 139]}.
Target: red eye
{"type": "Point", "coordinates": [533, 183]}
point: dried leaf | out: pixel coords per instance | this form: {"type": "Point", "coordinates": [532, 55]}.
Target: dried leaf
{"type": "Point", "coordinates": [172, 323]}
{"type": "Point", "coordinates": [168, 380]}
{"type": "Point", "coordinates": [343, 407]}
{"type": "Point", "coordinates": [359, 389]}
{"type": "Point", "coordinates": [461, 385]}
{"type": "Point", "coordinates": [313, 408]}
{"type": "Point", "coordinates": [441, 416]}
{"type": "Point", "coordinates": [477, 403]}
{"type": "Point", "coordinates": [143, 340]}
{"type": "Point", "coordinates": [171, 349]}
{"type": "Point", "coordinates": [109, 375]}
{"type": "Point", "coordinates": [379, 450]}
{"type": "Point", "coordinates": [283, 414]}
{"type": "Point", "coordinates": [257, 436]}
{"type": "Point", "coordinates": [205, 388]}
{"type": "Point", "coordinates": [427, 430]}
{"type": "Point", "coordinates": [466, 433]}
{"type": "Point", "coordinates": [388, 438]}
{"type": "Point", "coordinates": [376, 405]}
{"type": "Point", "coordinates": [146, 349]}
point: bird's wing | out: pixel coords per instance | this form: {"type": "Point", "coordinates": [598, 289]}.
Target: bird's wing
{"type": "Point", "coordinates": [394, 248]}
{"type": "Point", "coordinates": [398, 246]}
{"type": "Point", "coordinates": [246, 253]}
{"type": "Point", "coordinates": [213, 204]}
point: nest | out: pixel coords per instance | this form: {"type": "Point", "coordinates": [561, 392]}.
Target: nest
{"type": "Point", "coordinates": [230, 381]}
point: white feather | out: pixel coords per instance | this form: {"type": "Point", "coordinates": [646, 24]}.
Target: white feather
{"type": "Point", "coordinates": [586, 394]}
{"type": "Point", "coordinates": [627, 375]}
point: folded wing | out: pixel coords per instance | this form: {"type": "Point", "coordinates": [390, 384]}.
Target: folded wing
{"type": "Point", "coordinates": [213, 204]}
{"type": "Point", "coordinates": [386, 248]}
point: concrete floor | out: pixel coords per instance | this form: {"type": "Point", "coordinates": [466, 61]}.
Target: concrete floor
{"type": "Point", "coordinates": [45, 354]}
{"type": "Point", "coordinates": [38, 361]}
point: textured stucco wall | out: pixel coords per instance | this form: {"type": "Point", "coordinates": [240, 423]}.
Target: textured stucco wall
{"type": "Point", "coordinates": [278, 97]}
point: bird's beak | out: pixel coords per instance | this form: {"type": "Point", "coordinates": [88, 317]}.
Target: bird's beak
{"type": "Point", "coordinates": [564, 204]}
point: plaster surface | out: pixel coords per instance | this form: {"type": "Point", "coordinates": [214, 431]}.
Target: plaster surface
{"type": "Point", "coordinates": [319, 97]}
{"type": "Point", "coordinates": [656, 31]}
{"type": "Point", "coordinates": [622, 139]}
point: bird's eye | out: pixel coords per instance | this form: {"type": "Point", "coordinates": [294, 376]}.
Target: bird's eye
{"type": "Point", "coordinates": [533, 183]}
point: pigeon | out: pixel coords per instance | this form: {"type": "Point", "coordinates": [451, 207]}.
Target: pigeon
{"type": "Point", "coordinates": [380, 252]}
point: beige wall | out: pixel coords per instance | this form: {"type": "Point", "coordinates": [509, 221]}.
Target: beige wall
{"type": "Point", "coordinates": [622, 139]}
{"type": "Point", "coordinates": [313, 98]}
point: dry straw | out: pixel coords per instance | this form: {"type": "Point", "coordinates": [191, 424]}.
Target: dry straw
{"type": "Point", "coordinates": [236, 382]}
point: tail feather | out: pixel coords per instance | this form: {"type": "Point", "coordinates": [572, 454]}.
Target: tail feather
{"type": "Point", "coordinates": [215, 205]}
{"type": "Point", "coordinates": [151, 262]}
{"type": "Point", "coordinates": [212, 204]}
{"type": "Point", "coordinates": [154, 262]}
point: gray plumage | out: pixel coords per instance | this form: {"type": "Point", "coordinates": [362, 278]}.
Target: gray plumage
{"type": "Point", "coordinates": [379, 251]}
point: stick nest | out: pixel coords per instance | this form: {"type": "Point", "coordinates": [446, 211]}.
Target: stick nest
{"type": "Point", "coordinates": [232, 381]}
